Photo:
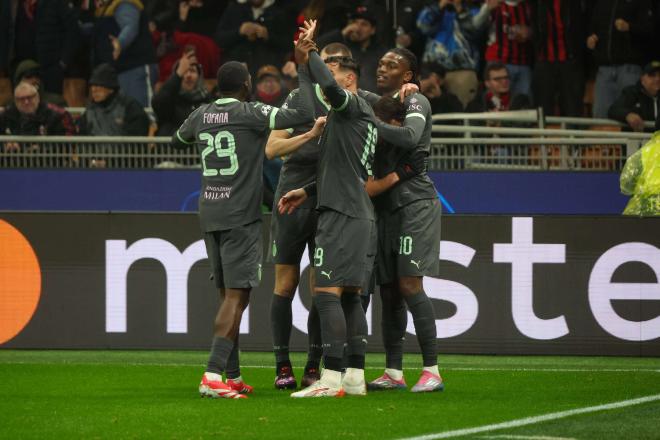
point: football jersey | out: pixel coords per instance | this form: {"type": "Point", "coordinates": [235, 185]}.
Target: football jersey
{"type": "Point", "coordinates": [299, 167]}
{"type": "Point", "coordinates": [414, 136]}
{"type": "Point", "coordinates": [230, 136]}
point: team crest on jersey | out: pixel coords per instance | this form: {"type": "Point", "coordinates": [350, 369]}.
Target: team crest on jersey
{"type": "Point", "coordinates": [265, 109]}
{"type": "Point", "coordinates": [285, 105]}
{"type": "Point", "coordinates": [413, 100]}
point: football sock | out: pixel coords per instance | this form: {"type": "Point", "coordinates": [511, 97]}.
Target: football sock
{"type": "Point", "coordinates": [233, 369]}
{"type": "Point", "coordinates": [331, 378]}
{"type": "Point", "coordinates": [356, 329]}
{"type": "Point", "coordinates": [315, 350]}
{"type": "Point", "coordinates": [421, 308]}
{"type": "Point", "coordinates": [394, 374]}
{"type": "Point", "coordinates": [333, 329]}
{"type": "Point", "coordinates": [433, 369]}
{"type": "Point", "coordinates": [393, 326]}
{"type": "Point", "coordinates": [220, 351]}
{"type": "Point", "coordinates": [280, 319]}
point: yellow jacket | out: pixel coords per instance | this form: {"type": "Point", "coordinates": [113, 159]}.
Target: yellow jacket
{"type": "Point", "coordinates": [641, 179]}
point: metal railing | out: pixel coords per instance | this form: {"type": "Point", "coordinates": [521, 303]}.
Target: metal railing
{"type": "Point", "coordinates": [93, 152]}
{"type": "Point", "coordinates": [453, 148]}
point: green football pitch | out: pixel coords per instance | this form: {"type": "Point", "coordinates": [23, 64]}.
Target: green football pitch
{"type": "Point", "coordinates": [153, 394]}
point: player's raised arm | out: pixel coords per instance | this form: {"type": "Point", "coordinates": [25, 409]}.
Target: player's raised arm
{"type": "Point", "coordinates": [407, 136]}
{"type": "Point", "coordinates": [304, 111]}
{"type": "Point", "coordinates": [337, 96]}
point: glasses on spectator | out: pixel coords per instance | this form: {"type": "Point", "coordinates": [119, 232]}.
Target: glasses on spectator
{"type": "Point", "coordinates": [500, 78]}
{"type": "Point", "coordinates": [26, 98]}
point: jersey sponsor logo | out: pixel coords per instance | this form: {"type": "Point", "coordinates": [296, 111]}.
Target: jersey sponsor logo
{"type": "Point", "coordinates": [327, 274]}
{"type": "Point", "coordinates": [215, 118]}
{"type": "Point", "coordinates": [414, 107]}
{"type": "Point", "coordinates": [416, 263]}
{"type": "Point", "coordinates": [265, 109]}
{"type": "Point", "coordinates": [212, 193]}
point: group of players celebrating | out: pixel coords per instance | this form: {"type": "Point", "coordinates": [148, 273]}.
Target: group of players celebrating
{"type": "Point", "coordinates": [353, 189]}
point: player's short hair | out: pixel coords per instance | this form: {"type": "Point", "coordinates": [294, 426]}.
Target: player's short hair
{"type": "Point", "coordinates": [411, 59]}
{"type": "Point", "coordinates": [337, 49]}
{"type": "Point", "coordinates": [232, 75]}
{"type": "Point", "coordinates": [388, 108]}
{"type": "Point", "coordinates": [493, 67]}
{"type": "Point", "coordinates": [345, 63]}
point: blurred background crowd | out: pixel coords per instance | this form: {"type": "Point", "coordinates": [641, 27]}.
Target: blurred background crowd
{"type": "Point", "coordinates": [139, 67]}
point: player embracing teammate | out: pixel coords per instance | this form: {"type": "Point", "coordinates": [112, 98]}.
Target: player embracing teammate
{"type": "Point", "coordinates": [408, 232]}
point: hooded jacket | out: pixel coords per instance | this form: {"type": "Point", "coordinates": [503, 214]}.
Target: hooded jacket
{"type": "Point", "coordinates": [172, 105]}
{"type": "Point", "coordinates": [634, 99]}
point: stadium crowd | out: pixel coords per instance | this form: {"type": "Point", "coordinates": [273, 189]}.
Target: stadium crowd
{"type": "Point", "coordinates": [477, 55]}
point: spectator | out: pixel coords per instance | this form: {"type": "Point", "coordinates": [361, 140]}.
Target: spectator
{"type": "Point", "coordinates": [432, 80]}
{"type": "Point", "coordinates": [639, 102]}
{"type": "Point", "coordinates": [640, 178]}
{"type": "Point", "coordinates": [121, 37]}
{"type": "Point", "coordinates": [558, 34]}
{"type": "Point", "coordinates": [257, 33]}
{"type": "Point", "coordinates": [199, 16]}
{"type": "Point", "coordinates": [29, 116]}
{"type": "Point", "coordinates": [110, 113]}
{"type": "Point", "coordinates": [510, 41]}
{"type": "Point", "coordinates": [269, 88]}
{"type": "Point", "coordinates": [46, 31]}
{"type": "Point", "coordinates": [29, 71]}
{"type": "Point", "coordinates": [359, 36]}
{"type": "Point", "coordinates": [498, 96]}
{"type": "Point", "coordinates": [398, 28]}
{"type": "Point", "coordinates": [451, 29]}
{"type": "Point", "coordinates": [182, 93]}
{"type": "Point", "coordinates": [618, 34]}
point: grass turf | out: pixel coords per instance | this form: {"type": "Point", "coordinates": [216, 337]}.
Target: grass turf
{"type": "Point", "coordinates": [113, 394]}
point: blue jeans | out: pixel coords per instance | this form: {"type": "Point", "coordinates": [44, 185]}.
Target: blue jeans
{"type": "Point", "coordinates": [139, 82]}
{"type": "Point", "coordinates": [521, 79]}
{"type": "Point", "coordinates": [610, 81]}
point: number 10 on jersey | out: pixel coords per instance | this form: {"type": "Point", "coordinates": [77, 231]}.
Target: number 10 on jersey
{"type": "Point", "coordinates": [216, 144]}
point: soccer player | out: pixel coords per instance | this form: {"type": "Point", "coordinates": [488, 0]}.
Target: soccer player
{"type": "Point", "coordinates": [408, 234]}
{"type": "Point", "coordinates": [290, 233]}
{"type": "Point", "coordinates": [230, 135]}
{"type": "Point", "coordinates": [345, 227]}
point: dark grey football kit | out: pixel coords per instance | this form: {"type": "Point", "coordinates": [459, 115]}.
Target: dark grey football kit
{"type": "Point", "coordinates": [231, 136]}
{"type": "Point", "coordinates": [409, 213]}
{"type": "Point", "coordinates": [290, 233]}
{"type": "Point", "coordinates": [346, 217]}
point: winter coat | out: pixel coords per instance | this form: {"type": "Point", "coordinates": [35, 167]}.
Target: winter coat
{"type": "Point", "coordinates": [634, 99]}
{"type": "Point", "coordinates": [48, 120]}
{"type": "Point", "coordinates": [119, 115]}
{"type": "Point", "coordinates": [614, 47]}
{"type": "Point", "coordinates": [172, 105]}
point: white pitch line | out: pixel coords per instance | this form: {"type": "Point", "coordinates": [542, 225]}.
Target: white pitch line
{"type": "Point", "coordinates": [535, 419]}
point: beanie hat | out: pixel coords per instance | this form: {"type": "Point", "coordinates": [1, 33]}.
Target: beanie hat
{"type": "Point", "coordinates": [104, 75]}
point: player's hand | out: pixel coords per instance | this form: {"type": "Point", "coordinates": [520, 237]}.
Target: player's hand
{"type": "Point", "coordinates": [411, 165]}
{"type": "Point", "coordinates": [308, 30]}
{"type": "Point", "coordinates": [187, 59]}
{"type": "Point", "coordinates": [291, 200]}
{"type": "Point", "coordinates": [621, 25]}
{"type": "Point", "coordinates": [301, 52]}
{"type": "Point", "coordinates": [592, 40]}
{"type": "Point", "coordinates": [248, 30]}
{"type": "Point", "coordinates": [635, 121]}
{"type": "Point", "coordinates": [407, 89]}
{"type": "Point", "coordinates": [116, 47]}
{"type": "Point", "coordinates": [318, 127]}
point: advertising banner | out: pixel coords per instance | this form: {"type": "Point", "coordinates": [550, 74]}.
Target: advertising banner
{"type": "Point", "coordinates": [508, 285]}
